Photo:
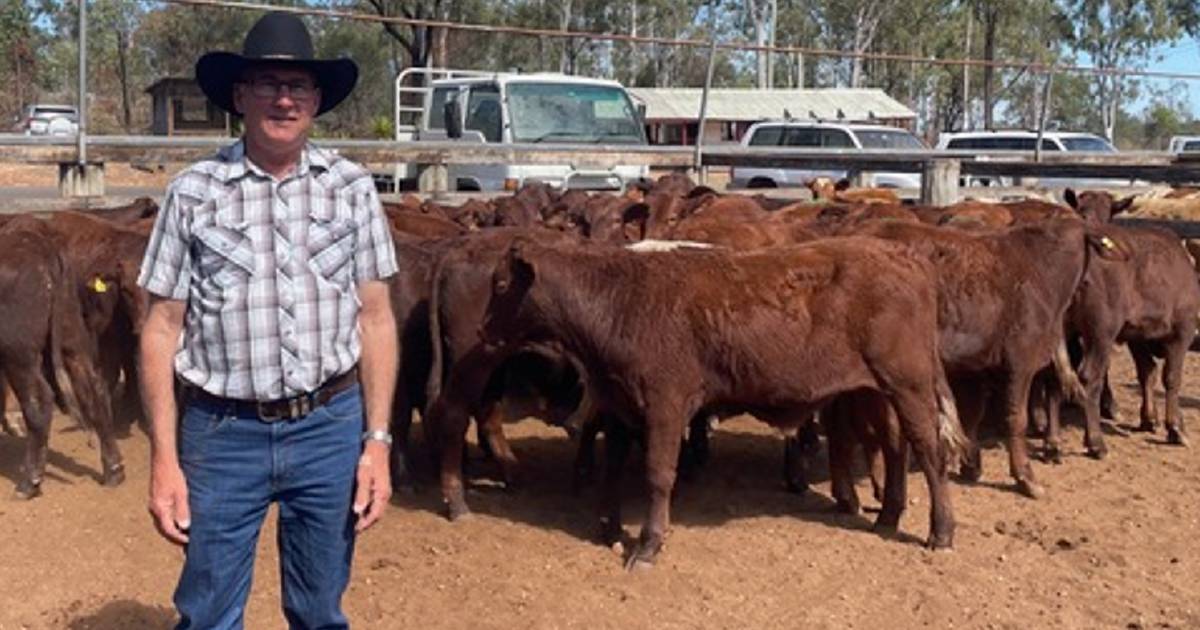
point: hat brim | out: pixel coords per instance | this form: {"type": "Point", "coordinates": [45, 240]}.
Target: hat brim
{"type": "Point", "coordinates": [216, 72]}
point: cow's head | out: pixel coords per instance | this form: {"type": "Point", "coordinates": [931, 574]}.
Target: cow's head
{"type": "Point", "coordinates": [1096, 206]}
{"type": "Point", "coordinates": [511, 280]}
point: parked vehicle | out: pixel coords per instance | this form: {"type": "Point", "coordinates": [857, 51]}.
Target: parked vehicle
{"type": "Point", "coordinates": [1025, 140]}
{"type": "Point", "coordinates": [823, 134]}
{"type": "Point", "coordinates": [49, 120]}
{"type": "Point", "coordinates": [1184, 144]}
{"type": "Point", "coordinates": [510, 108]}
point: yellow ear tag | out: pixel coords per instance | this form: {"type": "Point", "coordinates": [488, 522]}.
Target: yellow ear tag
{"type": "Point", "coordinates": [98, 285]}
{"type": "Point", "coordinates": [1108, 243]}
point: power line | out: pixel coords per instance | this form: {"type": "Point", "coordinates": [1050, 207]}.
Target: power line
{"type": "Point", "coordinates": [1033, 66]}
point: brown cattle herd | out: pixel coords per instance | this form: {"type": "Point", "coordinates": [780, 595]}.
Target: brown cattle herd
{"type": "Point", "coordinates": [650, 315]}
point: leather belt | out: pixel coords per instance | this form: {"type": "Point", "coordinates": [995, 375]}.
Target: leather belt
{"type": "Point", "coordinates": [283, 408]}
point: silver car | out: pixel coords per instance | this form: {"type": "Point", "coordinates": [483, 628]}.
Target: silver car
{"type": "Point", "coordinates": [828, 135]}
{"type": "Point", "coordinates": [50, 120]}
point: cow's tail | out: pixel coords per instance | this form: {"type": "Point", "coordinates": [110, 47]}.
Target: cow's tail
{"type": "Point", "coordinates": [433, 386]}
{"type": "Point", "coordinates": [954, 443]}
{"type": "Point", "coordinates": [54, 365]}
{"type": "Point", "coordinates": [1068, 379]}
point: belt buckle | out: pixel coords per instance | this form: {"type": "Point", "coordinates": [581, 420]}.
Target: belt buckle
{"type": "Point", "coordinates": [265, 412]}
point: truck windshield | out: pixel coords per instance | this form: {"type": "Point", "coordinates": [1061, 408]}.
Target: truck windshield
{"type": "Point", "coordinates": [888, 139]}
{"type": "Point", "coordinates": [567, 112]}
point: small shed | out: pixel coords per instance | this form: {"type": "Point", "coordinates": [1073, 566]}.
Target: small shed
{"type": "Point", "coordinates": [673, 114]}
{"type": "Point", "coordinates": [180, 108]}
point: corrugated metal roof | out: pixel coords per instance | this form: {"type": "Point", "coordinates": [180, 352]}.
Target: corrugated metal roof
{"type": "Point", "coordinates": [749, 105]}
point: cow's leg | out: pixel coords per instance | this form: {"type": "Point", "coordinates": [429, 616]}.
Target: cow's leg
{"type": "Point", "coordinates": [37, 406]}
{"type": "Point", "coordinates": [1143, 361]}
{"type": "Point", "coordinates": [1051, 398]}
{"type": "Point", "coordinates": [1038, 413]}
{"type": "Point", "coordinates": [1016, 410]}
{"type": "Point", "coordinates": [87, 382]}
{"type": "Point", "coordinates": [400, 453]}
{"type": "Point", "coordinates": [695, 454]}
{"type": "Point", "coordinates": [1172, 379]}
{"type": "Point", "coordinates": [838, 417]}
{"type": "Point", "coordinates": [585, 454]}
{"type": "Point", "coordinates": [491, 432]}
{"type": "Point", "coordinates": [1108, 404]}
{"type": "Point", "coordinates": [4, 423]}
{"type": "Point", "coordinates": [449, 421]}
{"type": "Point", "coordinates": [891, 454]}
{"type": "Point", "coordinates": [663, 428]}
{"type": "Point", "coordinates": [797, 451]}
{"type": "Point", "coordinates": [617, 442]}
{"type": "Point", "coordinates": [1093, 373]}
{"type": "Point", "coordinates": [916, 411]}
{"type": "Point", "coordinates": [971, 398]}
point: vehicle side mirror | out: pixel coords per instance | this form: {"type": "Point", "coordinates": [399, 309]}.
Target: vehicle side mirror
{"type": "Point", "coordinates": [641, 113]}
{"type": "Point", "coordinates": [453, 114]}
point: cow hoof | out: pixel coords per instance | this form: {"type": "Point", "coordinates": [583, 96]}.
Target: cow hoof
{"type": "Point", "coordinates": [457, 511]}
{"type": "Point", "coordinates": [1177, 438]}
{"type": "Point", "coordinates": [114, 476]}
{"type": "Point", "coordinates": [944, 542]}
{"type": "Point", "coordinates": [638, 565]}
{"type": "Point", "coordinates": [1031, 489]}
{"type": "Point", "coordinates": [1097, 452]}
{"type": "Point", "coordinates": [27, 490]}
{"type": "Point", "coordinates": [797, 487]}
{"type": "Point", "coordinates": [1052, 455]}
{"type": "Point", "coordinates": [1145, 427]}
{"type": "Point", "coordinates": [610, 534]}
{"type": "Point", "coordinates": [969, 474]}
{"type": "Point", "coordinates": [847, 507]}
{"type": "Point", "coordinates": [886, 526]}
{"type": "Point", "coordinates": [640, 560]}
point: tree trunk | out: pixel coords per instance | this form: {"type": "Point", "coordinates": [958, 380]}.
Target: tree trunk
{"type": "Point", "coordinates": [991, 19]}
{"type": "Point", "coordinates": [123, 77]}
{"type": "Point", "coordinates": [564, 25]}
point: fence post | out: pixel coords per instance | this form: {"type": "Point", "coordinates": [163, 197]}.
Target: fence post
{"type": "Point", "coordinates": [434, 178]}
{"type": "Point", "coordinates": [939, 182]}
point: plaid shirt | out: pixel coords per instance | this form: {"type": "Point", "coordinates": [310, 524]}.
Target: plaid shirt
{"type": "Point", "coordinates": [269, 270]}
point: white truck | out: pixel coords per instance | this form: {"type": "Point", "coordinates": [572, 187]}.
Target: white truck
{"type": "Point", "coordinates": [511, 108]}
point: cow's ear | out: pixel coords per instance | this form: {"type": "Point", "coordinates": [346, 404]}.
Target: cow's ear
{"type": "Point", "coordinates": [1070, 198]}
{"type": "Point", "coordinates": [842, 184]}
{"type": "Point", "coordinates": [633, 221]}
{"type": "Point", "coordinates": [521, 268]}
{"type": "Point", "coordinates": [1123, 205]}
{"type": "Point", "coordinates": [699, 191]}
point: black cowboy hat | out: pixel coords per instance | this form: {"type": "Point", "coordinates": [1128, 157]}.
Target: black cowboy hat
{"type": "Point", "coordinates": [275, 38]}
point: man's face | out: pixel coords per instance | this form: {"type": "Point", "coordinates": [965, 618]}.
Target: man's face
{"type": "Point", "coordinates": [278, 104]}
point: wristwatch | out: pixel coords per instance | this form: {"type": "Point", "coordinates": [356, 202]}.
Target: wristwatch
{"type": "Point", "coordinates": [378, 435]}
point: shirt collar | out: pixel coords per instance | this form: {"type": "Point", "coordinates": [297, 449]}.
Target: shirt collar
{"type": "Point", "coordinates": [237, 165]}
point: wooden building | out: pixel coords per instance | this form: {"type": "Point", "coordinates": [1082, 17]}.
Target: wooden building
{"type": "Point", "coordinates": [180, 108]}
{"type": "Point", "coordinates": [673, 114]}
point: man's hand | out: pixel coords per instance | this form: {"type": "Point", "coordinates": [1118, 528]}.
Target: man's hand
{"type": "Point", "coordinates": [374, 484]}
{"type": "Point", "coordinates": [169, 501]}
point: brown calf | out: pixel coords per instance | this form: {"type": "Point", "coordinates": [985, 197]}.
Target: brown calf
{"type": "Point", "coordinates": [664, 337]}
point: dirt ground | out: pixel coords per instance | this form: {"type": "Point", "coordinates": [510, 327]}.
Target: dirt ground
{"type": "Point", "coordinates": [115, 174]}
{"type": "Point", "coordinates": [1116, 544]}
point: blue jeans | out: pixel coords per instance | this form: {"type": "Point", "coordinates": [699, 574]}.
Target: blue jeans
{"type": "Point", "coordinates": [235, 467]}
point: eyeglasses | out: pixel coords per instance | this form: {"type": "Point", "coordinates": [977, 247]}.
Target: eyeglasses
{"type": "Point", "coordinates": [298, 90]}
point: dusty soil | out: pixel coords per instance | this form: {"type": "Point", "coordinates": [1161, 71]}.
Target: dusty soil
{"type": "Point", "coordinates": [1116, 544]}
{"type": "Point", "coordinates": [115, 174]}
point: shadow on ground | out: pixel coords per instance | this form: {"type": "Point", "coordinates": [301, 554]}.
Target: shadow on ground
{"type": "Point", "coordinates": [123, 614]}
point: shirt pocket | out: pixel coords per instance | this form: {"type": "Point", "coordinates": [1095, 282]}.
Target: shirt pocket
{"type": "Point", "coordinates": [331, 237]}
{"type": "Point", "coordinates": [225, 256]}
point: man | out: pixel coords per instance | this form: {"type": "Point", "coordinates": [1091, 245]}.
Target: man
{"type": "Point", "coordinates": [267, 267]}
